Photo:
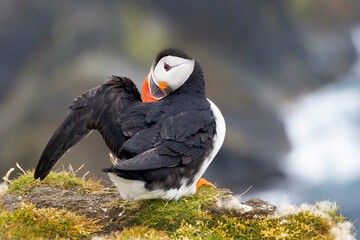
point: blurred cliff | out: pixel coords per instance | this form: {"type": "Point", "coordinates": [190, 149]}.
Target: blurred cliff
{"type": "Point", "coordinates": [256, 55]}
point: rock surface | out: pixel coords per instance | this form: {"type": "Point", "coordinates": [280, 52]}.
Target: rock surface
{"type": "Point", "coordinates": [105, 206]}
{"type": "Point", "coordinates": [90, 205]}
{"type": "Point", "coordinates": [253, 208]}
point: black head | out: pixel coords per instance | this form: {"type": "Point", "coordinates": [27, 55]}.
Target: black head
{"type": "Point", "coordinates": [171, 68]}
{"type": "Point", "coordinates": [172, 51]}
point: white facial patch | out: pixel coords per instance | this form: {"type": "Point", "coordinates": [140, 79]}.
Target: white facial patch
{"type": "Point", "coordinates": [174, 71]}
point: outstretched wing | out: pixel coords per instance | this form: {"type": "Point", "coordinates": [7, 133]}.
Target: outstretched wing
{"type": "Point", "coordinates": [183, 139]}
{"type": "Point", "coordinates": [97, 109]}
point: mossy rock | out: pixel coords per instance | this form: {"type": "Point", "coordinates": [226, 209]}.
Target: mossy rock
{"type": "Point", "coordinates": [66, 206]}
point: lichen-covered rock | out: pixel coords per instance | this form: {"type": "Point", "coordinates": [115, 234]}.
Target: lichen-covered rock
{"type": "Point", "coordinates": [27, 206]}
{"type": "Point", "coordinates": [253, 208]}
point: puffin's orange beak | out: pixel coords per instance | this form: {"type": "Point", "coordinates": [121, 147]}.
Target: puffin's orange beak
{"type": "Point", "coordinates": [145, 91]}
{"type": "Point", "coordinates": [153, 91]}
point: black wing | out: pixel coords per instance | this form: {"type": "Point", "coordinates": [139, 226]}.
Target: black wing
{"type": "Point", "coordinates": [183, 139]}
{"type": "Point", "coordinates": [97, 109]}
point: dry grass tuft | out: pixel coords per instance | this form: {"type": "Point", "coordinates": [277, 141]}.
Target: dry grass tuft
{"type": "Point", "coordinates": [64, 179]}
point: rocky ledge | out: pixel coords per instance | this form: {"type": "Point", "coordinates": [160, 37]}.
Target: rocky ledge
{"type": "Point", "coordinates": [65, 206]}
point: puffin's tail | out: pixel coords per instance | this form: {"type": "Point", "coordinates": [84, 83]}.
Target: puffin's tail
{"type": "Point", "coordinates": [95, 109]}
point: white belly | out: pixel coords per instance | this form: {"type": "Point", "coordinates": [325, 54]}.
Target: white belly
{"type": "Point", "coordinates": [217, 141]}
{"type": "Point", "coordinates": [135, 189]}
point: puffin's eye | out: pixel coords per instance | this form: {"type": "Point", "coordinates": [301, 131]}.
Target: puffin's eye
{"type": "Point", "coordinates": [167, 67]}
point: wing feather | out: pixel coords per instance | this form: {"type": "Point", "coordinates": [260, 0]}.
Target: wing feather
{"type": "Point", "coordinates": [183, 139]}
{"type": "Point", "coordinates": [97, 109]}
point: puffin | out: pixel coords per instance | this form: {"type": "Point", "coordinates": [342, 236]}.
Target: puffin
{"type": "Point", "coordinates": [163, 139]}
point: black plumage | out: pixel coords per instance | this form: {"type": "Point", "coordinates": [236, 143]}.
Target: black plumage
{"type": "Point", "coordinates": [159, 142]}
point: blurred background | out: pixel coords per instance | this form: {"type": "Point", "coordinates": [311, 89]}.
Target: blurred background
{"type": "Point", "coordinates": [285, 75]}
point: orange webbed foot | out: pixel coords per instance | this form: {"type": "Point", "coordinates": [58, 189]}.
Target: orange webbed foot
{"type": "Point", "coordinates": [202, 181]}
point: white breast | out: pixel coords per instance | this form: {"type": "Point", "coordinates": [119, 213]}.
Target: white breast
{"type": "Point", "coordinates": [217, 141]}
{"type": "Point", "coordinates": [135, 189]}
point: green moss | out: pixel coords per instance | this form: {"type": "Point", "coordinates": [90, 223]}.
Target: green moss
{"type": "Point", "coordinates": [29, 222]}
{"type": "Point", "coordinates": [59, 179]}
{"type": "Point", "coordinates": [337, 217]}
{"type": "Point", "coordinates": [168, 215]}
{"type": "Point", "coordinates": [300, 226]}
{"type": "Point", "coordinates": [138, 233]}
{"type": "Point", "coordinates": [191, 217]}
